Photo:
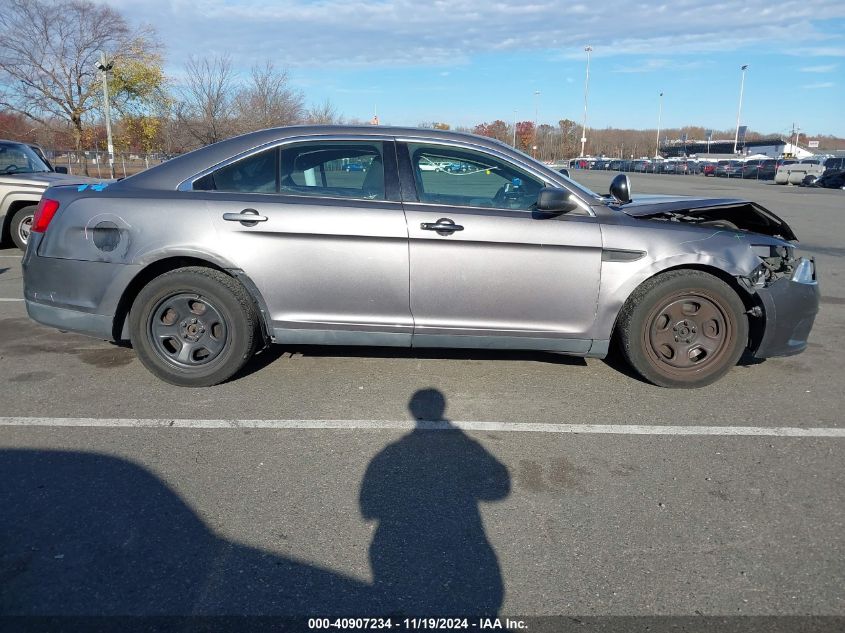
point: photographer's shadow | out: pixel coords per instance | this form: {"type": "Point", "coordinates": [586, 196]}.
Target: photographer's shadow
{"type": "Point", "coordinates": [430, 554]}
{"type": "Point", "coordinates": [89, 534]}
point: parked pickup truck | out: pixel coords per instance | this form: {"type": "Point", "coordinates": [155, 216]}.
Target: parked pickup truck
{"type": "Point", "coordinates": [794, 173]}
{"type": "Point", "coordinates": [25, 173]}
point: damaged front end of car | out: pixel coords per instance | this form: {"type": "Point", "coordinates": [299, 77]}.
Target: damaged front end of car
{"type": "Point", "coordinates": [782, 288]}
{"type": "Point", "coordinates": [741, 215]}
{"type": "Point", "coordinates": [787, 289]}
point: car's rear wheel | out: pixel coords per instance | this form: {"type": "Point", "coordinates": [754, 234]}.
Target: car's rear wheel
{"type": "Point", "coordinates": [683, 329]}
{"type": "Point", "coordinates": [21, 226]}
{"type": "Point", "coordinates": [194, 327]}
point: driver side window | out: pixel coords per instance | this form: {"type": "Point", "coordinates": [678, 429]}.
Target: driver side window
{"type": "Point", "coordinates": [459, 177]}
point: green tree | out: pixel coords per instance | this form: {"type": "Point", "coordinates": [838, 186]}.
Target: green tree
{"type": "Point", "coordinates": [48, 55]}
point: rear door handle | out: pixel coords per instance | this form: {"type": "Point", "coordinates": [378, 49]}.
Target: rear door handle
{"type": "Point", "coordinates": [247, 217]}
{"type": "Point", "coordinates": [443, 226]}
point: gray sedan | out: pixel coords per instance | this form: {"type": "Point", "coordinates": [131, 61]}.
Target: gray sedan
{"type": "Point", "coordinates": [371, 236]}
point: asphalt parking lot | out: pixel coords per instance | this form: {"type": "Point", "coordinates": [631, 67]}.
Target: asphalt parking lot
{"type": "Point", "coordinates": [124, 495]}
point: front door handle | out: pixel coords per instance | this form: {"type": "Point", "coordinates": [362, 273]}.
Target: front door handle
{"type": "Point", "coordinates": [443, 226]}
{"type": "Point", "coordinates": [247, 217]}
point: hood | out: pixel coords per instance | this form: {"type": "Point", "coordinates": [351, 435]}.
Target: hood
{"type": "Point", "coordinates": [47, 178]}
{"type": "Point", "coordinates": [743, 214]}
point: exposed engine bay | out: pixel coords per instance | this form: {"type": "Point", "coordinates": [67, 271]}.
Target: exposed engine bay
{"type": "Point", "coordinates": [734, 215]}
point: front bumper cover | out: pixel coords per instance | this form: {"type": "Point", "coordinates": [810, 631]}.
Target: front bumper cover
{"type": "Point", "coordinates": [790, 308]}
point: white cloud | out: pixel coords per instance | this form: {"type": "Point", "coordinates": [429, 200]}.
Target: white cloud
{"type": "Point", "coordinates": [817, 51]}
{"type": "Point", "coordinates": [826, 68]}
{"type": "Point", "coordinates": [367, 33]}
{"type": "Point", "coordinates": [819, 85]}
{"type": "Point", "coordinates": [652, 65]}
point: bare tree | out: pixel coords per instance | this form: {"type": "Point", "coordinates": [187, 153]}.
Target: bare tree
{"type": "Point", "coordinates": [268, 100]}
{"type": "Point", "coordinates": [205, 106]}
{"type": "Point", "coordinates": [48, 51]}
{"type": "Point", "coordinates": [323, 114]}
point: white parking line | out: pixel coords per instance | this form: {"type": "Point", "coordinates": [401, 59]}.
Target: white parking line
{"type": "Point", "coordinates": [435, 425]}
{"type": "Point", "coordinates": [3, 299]}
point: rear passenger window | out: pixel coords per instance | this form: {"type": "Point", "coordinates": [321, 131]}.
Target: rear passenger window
{"type": "Point", "coordinates": [334, 169]}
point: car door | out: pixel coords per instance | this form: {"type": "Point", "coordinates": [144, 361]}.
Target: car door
{"type": "Point", "coordinates": [485, 270]}
{"type": "Point", "coordinates": [318, 227]}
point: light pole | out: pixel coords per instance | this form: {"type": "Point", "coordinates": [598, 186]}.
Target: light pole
{"type": "Point", "coordinates": [105, 68]}
{"type": "Point", "coordinates": [514, 129]}
{"type": "Point", "coordinates": [588, 49]}
{"type": "Point", "coordinates": [536, 119]}
{"type": "Point", "coordinates": [659, 116]}
{"type": "Point", "coordinates": [739, 111]}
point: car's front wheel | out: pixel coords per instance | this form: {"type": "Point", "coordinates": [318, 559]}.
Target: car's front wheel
{"type": "Point", "coordinates": [194, 327]}
{"type": "Point", "coordinates": [21, 226]}
{"type": "Point", "coordinates": [683, 329]}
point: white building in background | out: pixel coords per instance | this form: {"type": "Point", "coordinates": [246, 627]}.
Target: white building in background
{"type": "Point", "coordinates": [770, 148]}
{"type": "Point", "coordinates": [776, 149]}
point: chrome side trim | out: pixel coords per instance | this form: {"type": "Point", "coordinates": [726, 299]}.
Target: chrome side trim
{"type": "Point", "coordinates": [188, 183]}
{"type": "Point", "coordinates": [621, 255]}
{"type": "Point", "coordinates": [341, 337]}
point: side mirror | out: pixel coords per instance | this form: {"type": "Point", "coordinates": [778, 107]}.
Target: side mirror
{"type": "Point", "coordinates": [552, 201]}
{"type": "Point", "coordinates": [565, 172]}
{"type": "Point", "coordinates": [620, 188]}
{"type": "Point", "coordinates": [61, 170]}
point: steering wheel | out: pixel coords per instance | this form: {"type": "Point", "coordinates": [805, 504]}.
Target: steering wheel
{"type": "Point", "coordinates": [9, 168]}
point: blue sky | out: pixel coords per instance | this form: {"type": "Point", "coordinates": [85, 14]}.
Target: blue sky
{"type": "Point", "coordinates": [464, 62]}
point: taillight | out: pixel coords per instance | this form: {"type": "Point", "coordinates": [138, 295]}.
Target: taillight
{"type": "Point", "coordinates": [44, 213]}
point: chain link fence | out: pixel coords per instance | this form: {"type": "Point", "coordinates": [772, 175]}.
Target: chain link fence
{"type": "Point", "coordinates": [96, 163]}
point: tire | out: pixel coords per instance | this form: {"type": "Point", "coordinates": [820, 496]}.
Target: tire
{"type": "Point", "coordinates": [683, 329]}
{"type": "Point", "coordinates": [21, 225]}
{"type": "Point", "coordinates": [194, 327]}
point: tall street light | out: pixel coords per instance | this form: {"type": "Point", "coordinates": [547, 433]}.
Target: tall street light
{"type": "Point", "coordinates": [514, 129]}
{"type": "Point", "coordinates": [105, 67]}
{"type": "Point", "coordinates": [536, 119]}
{"type": "Point", "coordinates": [659, 116]}
{"type": "Point", "coordinates": [739, 111]}
{"type": "Point", "coordinates": [588, 50]}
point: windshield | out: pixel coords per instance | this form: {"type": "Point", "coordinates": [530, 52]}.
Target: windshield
{"type": "Point", "coordinates": [17, 158]}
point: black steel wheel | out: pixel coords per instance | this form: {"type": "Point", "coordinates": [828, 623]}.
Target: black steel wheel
{"type": "Point", "coordinates": [194, 327]}
{"type": "Point", "coordinates": [684, 329]}
{"type": "Point", "coordinates": [187, 329]}
{"type": "Point", "coordinates": [21, 226]}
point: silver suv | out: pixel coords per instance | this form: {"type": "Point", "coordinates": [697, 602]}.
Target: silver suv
{"type": "Point", "coordinates": [25, 173]}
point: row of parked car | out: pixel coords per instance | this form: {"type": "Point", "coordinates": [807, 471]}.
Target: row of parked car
{"type": "Point", "coordinates": [807, 172]}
